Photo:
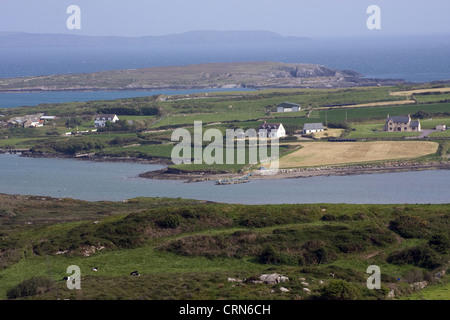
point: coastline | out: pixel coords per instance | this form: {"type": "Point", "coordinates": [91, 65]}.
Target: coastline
{"type": "Point", "coordinates": [167, 173]}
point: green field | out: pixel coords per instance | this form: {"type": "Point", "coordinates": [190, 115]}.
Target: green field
{"type": "Point", "coordinates": [188, 249]}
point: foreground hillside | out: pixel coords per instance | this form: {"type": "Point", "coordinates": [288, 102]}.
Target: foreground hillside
{"type": "Point", "coordinates": [198, 250]}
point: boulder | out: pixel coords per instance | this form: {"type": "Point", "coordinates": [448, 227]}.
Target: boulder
{"type": "Point", "coordinates": [391, 294]}
{"type": "Point", "coordinates": [273, 278]}
{"type": "Point", "coordinates": [416, 286]}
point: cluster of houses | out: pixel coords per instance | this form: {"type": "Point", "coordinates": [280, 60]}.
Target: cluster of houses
{"type": "Point", "coordinates": [277, 130]}
{"type": "Point", "coordinates": [266, 130]}
{"type": "Point", "coordinates": [100, 120]}
{"type": "Point", "coordinates": [29, 121]}
{"type": "Point", "coordinates": [406, 124]}
{"type": "Point", "coordinates": [392, 124]}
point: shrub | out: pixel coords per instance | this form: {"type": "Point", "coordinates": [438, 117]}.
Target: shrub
{"type": "Point", "coordinates": [328, 217]}
{"type": "Point", "coordinates": [269, 256]}
{"type": "Point", "coordinates": [30, 287]}
{"type": "Point", "coordinates": [170, 222]}
{"type": "Point", "coordinates": [409, 227]}
{"type": "Point", "coordinates": [420, 256]}
{"type": "Point", "coordinates": [150, 111]}
{"type": "Point", "coordinates": [439, 243]}
{"type": "Point", "coordinates": [340, 290]}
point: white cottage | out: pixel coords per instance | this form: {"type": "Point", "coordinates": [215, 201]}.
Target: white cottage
{"type": "Point", "coordinates": [312, 127]}
{"type": "Point", "coordinates": [271, 130]}
{"type": "Point", "coordinates": [101, 119]}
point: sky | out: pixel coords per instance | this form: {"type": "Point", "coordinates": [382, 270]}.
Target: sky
{"type": "Point", "coordinates": [309, 18]}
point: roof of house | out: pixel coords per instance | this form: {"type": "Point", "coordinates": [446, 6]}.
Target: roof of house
{"type": "Point", "coordinates": [414, 124]}
{"type": "Point", "coordinates": [312, 126]}
{"type": "Point", "coordinates": [269, 126]}
{"type": "Point", "coordinates": [105, 116]}
{"type": "Point", "coordinates": [288, 105]}
{"type": "Point", "coordinates": [399, 119]}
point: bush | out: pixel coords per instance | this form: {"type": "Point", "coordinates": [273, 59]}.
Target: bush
{"type": "Point", "coordinates": [170, 222]}
{"type": "Point", "coordinates": [30, 287]}
{"type": "Point", "coordinates": [340, 290]}
{"type": "Point", "coordinates": [420, 256]}
{"type": "Point", "coordinates": [409, 227]}
{"type": "Point", "coordinates": [328, 217]}
{"type": "Point", "coordinates": [269, 256]}
{"type": "Point", "coordinates": [150, 111]}
{"type": "Point", "coordinates": [439, 243]}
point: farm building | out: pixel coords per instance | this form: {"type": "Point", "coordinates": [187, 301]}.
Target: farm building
{"type": "Point", "coordinates": [312, 127]}
{"type": "Point", "coordinates": [401, 123]}
{"type": "Point", "coordinates": [288, 107]}
{"type": "Point", "coordinates": [101, 119]}
{"type": "Point", "coordinates": [441, 127]}
{"type": "Point", "coordinates": [271, 130]}
{"type": "Point", "coordinates": [32, 123]}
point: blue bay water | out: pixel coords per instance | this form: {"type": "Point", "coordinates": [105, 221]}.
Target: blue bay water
{"type": "Point", "coordinates": [13, 100]}
{"type": "Point", "coordinates": [115, 181]}
{"type": "Point", "coordinates": [415, 59]}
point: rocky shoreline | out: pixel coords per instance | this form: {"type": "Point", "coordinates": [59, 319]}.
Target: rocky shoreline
{"type": "Point", "coordinates": [165, 174]}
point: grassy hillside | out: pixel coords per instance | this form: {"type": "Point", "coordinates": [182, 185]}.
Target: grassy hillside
{"type": "Point", "coordinates": [189, 249]}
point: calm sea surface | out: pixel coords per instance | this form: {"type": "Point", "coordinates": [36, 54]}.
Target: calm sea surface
{"type": "Point", "coordinates": [95, 181]}
{"type": "Point", "coordinates": [13, 100]}
{"type": "Point", "coordinates": [416, 59]}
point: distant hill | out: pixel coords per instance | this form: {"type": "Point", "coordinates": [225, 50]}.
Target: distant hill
{"type": "Point", "coordinates": [19, 39]}
{"type": "Point", "coordinates": [210, 75]}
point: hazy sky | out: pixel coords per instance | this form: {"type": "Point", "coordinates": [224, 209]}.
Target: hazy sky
{"type": "Point", "coordinates": [311, 18]}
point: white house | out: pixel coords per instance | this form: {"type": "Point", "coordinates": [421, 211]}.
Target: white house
{"type": "Point", "coordinates": [271, 130]}
{"type": "Point", "coordinates": [441, 127]}
{"type": "Point", "coordinates": [312, 127]}
{"type": "Point", "coordinates": [101, 119]}
{"type": "Point", "coordinates": [288, 107]}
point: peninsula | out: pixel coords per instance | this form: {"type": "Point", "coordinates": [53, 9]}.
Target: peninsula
{"type": "Point", "coordinates": [254, 75]}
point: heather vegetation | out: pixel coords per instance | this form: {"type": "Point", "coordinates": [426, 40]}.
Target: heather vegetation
{"type": "Point", "coordinates": [193, 247]}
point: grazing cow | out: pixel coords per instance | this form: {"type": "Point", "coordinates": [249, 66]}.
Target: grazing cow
{"type": "Point", "coordinates": [95, 269]}
{"type": "Point", "coordinates": [135, 273]}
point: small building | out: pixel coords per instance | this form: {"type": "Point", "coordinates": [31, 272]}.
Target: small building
{"type": "Point", "coordinates": [401, 124]}
{"type": "Point", "coordinates": [45, 118]}
{"type": "Point", "coordinates": [288, 107]}
{"type": "Point", "coordinates": [271, 130]}
{"type": "Point", "coordinates": [32, 123]}
{"type": "Point", "coordinates": [441, 127]}
{"type": "Point", "coordinates": [102, 119]}
{"type": "Point", "coordinates": [312, 127]}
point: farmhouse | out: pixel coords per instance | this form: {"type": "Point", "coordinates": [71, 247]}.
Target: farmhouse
{"type": "Point", "coordinates": [271, 130]}
{"type": "Point", "coordinates": [401, 124]}
{"type": "Point", "coordinates": [101, 119]}
{"type": "Point", "coordinates": [441, 127]}
{"type": "Point", "coordinates": [312, 127]}
{"type": "Point", "coordinates": [288, 107]}
{"type": "Point", "coordinates": [32, 123]}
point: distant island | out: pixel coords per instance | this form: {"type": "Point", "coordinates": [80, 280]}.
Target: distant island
{"type": "Point", "coordinates": [22, 39]}
{"type": "Point", "coordinates": [255, 75]}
